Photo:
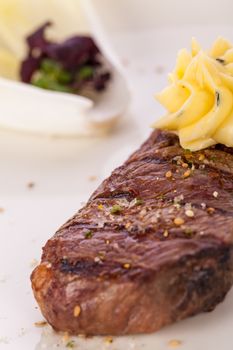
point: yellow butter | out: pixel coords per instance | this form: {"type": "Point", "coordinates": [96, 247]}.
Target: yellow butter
{"type": "Point", "coordinates": [199, 98]}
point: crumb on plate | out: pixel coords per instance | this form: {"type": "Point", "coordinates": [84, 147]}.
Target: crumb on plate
{"type": "Point", "coordinates": [92, 178]}
{"type": "Point", "coordinates": [159, 69]}
{"type": "Point", "coordinates": [108, 340]}
{"type": "Point", "coordinates": [31, 185]}
{"type": "Point", "coordinates": [174, 343]}
{"type": "Point", "coordinates": [40, 324]}
{"type": "Point", "coordinates": [70, 344]}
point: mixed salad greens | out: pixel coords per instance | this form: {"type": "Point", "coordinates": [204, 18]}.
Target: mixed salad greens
{"type": "Point", "coordinates": [75, 65]}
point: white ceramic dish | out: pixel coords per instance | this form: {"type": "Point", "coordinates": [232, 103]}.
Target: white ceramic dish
{"type": "Point", "coordinates": [63, 170]}
{"type": "Point", "coordinates": [49, 112]}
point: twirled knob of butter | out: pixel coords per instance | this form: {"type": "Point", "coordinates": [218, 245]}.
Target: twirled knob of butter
{"type": "Point", "coordinates": [199, 99]}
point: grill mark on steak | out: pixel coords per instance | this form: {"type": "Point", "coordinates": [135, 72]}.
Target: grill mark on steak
{"type": "Point", "coordinates": [137, 267]}
{"type": "Point", "coordinates": [92, 269]}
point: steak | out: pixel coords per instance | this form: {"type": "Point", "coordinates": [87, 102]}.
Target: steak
{"type": "Point", "coordinates": [152, 246]}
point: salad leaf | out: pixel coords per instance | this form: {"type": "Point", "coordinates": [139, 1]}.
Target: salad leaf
{"type": "Point", "coordinates": [72, 66]}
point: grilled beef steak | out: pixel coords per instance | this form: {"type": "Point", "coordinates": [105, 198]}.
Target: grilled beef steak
{"type": "Point", "coordinates": [152, 246]}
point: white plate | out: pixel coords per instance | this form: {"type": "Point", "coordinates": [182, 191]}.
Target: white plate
{"type": "Point", "coordinates": [61, 170]}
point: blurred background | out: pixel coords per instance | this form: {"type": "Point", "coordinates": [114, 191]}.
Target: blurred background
{"type": "Point", "coordinates": [124, 15]}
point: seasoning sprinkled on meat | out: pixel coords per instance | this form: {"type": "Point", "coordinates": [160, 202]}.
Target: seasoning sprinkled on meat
{"type": "Point", "coordinates": [147, 249]}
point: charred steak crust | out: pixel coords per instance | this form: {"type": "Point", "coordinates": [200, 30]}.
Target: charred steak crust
{"type": "Point", "coordinates": [153, 245]}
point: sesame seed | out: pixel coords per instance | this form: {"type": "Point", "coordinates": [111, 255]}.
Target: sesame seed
{"type": "Point", "coordinates": [77, 311]}
{"type": "Point", "coordinates": [202, 166]}
{"type": "Point", "coordinates": [187, 174]}
{"type": "Point", "coordinates": [97, 259]}
{"type": "Point", "coordinates": [189, 213]}
{"type": "Point", "coordinates": [203, 205]}
{"type": "Point", "coordinates": [215, 194]}
{"type": "Point", "coordinates": [165, 234]}
{"type": "Point", "coordinates": [168, 174]}
{"type": "Point", "coordinates": [178, 199]}
{"type": "Point", "coordinates": [188, 206]}
{"type": "Point", "coordinates": [178, 221]}
{"type": "Point", "coordinates": [107, 241]}
{"type": "Point", "coordinates": [177, 159]}
{"type": "Point", "coordinates": [100, 206]}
